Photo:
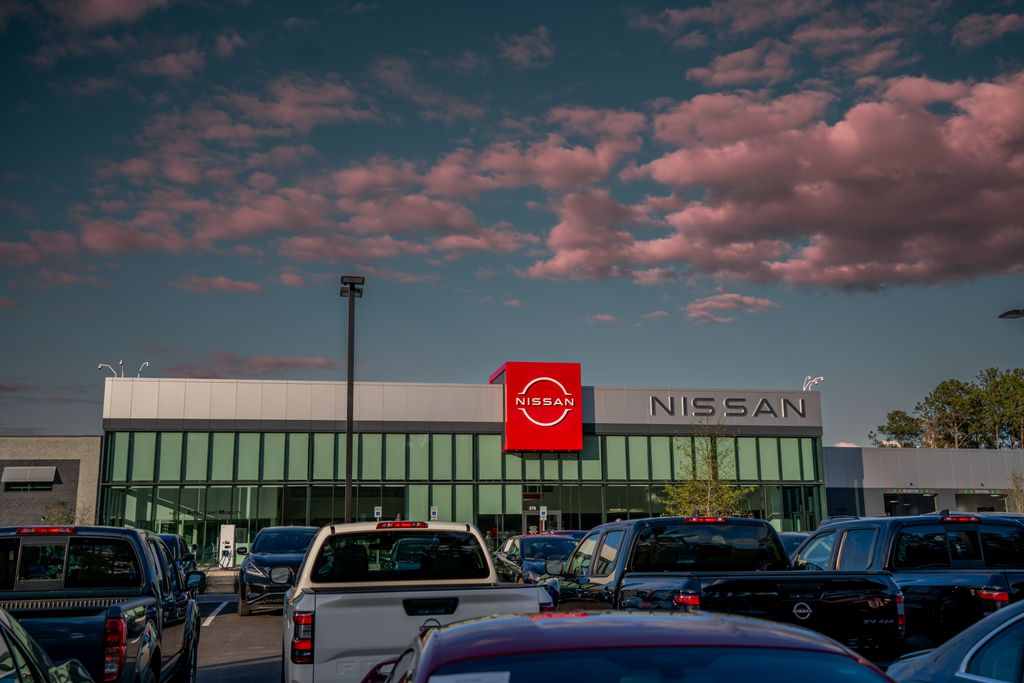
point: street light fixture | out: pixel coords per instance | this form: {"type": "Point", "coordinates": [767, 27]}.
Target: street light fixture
{"type": "Point", "coordinates": [351, 289]}
{"type": "Point", "coordinates": [1013, 315]}
{"type": "Point", "coordinates": [104, 365]}
{"type": "Point", "coordinates": [141, 368]}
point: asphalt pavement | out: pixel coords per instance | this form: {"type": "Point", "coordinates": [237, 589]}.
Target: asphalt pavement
{"type": "Point", "coordinates": [233, 649]}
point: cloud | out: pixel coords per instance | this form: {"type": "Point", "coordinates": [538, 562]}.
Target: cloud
{"type": "Point", "coordinates": [975, 30]}
{"type": "Point", "coordinates": [335, 248]}
{"type": "Point", "coordinates": [529, 51]}
{"type": "Point", "coordinates": [41, 246]}
{"type": "Point", "coordinates": [380, 175]}
{"type": "Point", "coordinates": [290, 277]}
{"type": "Point", "coordinates": [601, 319]}
{"type": "Point", "coordinates": [706, 310]}
{"type": "Point", "coordinates": [91, 14]}
{"type": "Point", "coordinates": [8, 387]}
{"type": "Point", "coordinates": [218, 283]}
{"type": "Point", "coordinates": [228, 41]}
{"type": "Point", "coordinates": [11, 9]}
{"type": "Point", "coordinates": [766, 62]}
{"type": "Point", "coordinates": [360, 7]}
{"type": "Point", "coordinates": [469, 63]}
{"type": "Point", "coordinates": [95, 86]}
{"type": "Point", "coordinates": [302, 103]}
{"type": "Point", "coordinates": [52, 277]}
{"type": "Point", "coordinates": [175, 66]}
{"type": "Point", "coordinates": [397, 76]}
{"type": "Point", "coordinates": [6, 302]}
{"type": "Point", "coordinates": [227, 364]}
{"type": "Point", "coordinates": [727, 17]}
{"type": "Point", "coordinates": [300, 24]}
{"type": "Point", "coordinates": [513, 303]}
{"type": "Point", "coordinates": [656, 315]}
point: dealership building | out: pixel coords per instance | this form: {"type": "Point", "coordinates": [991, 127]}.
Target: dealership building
{"type": "Point", "coordinates": [189, 455]}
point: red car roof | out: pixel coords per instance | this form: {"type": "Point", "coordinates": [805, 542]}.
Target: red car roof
{"type": "Point", "coordinates": [555, 632]}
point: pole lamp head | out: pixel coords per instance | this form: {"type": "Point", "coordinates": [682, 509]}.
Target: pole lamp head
{"type": "Point", "coordinates": [352, 286]}
{"type": "Point", "coordinates": [1013, 314]}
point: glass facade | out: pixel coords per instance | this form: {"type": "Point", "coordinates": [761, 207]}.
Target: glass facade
{"type": "Point", "coordinates": [192, 482]}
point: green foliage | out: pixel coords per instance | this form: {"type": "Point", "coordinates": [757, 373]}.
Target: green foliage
{"type": "Point", "coordinates": [985, 413]}
{"type": "Point", "coordinates": [710, 491]}
{"type": "Point", "coordinates": [58, 512]}
{"type": "Point", "coordinates": [1016, 499]}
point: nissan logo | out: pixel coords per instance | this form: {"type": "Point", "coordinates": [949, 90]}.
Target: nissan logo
{"type": "Point", "coordinates": [565, 401]}
{"type": "Point", "coordinates": [802, 611]}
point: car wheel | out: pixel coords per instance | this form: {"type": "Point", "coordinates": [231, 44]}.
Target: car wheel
{"type": "Point", "coordinates": [186, 672]}
{"type": "Point", "coordinates": [243, 609]}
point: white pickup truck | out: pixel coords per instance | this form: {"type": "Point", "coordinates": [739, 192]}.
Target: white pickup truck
{"type": "Point", "coordinates": [365, 590]}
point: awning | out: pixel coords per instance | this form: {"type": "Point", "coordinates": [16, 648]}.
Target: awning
{"type": "Point", "coordinates": [29, 475]}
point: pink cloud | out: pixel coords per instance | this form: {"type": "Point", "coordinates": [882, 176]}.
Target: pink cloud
{"type": "Point", "coordinates": [380, 175]}
{"type": "Point", "coordinates": [656, 315]}
{"type": "Point", "coordinates": [175, 66]}
{"type": "Point", "coordinates": [113, 237]}
{"type": "Point", "coordinates": [301, 104]}
{"type": "Point", "coordinates": [707, 310]}
{"type": "Point", "coordinates": [218, 283]}
{"type": "Point", "coordinates": [919, 91]}
{"type": "Point", "coordinates": [227, 42]}
{"type": "Point", "coordinates": [333, 248]}
{"type": "Point", "coordinates": [407, 213]}
{"type": "Point", "coordinates": [229, 364]}
{"type": "Point", "coordinates": [94, 86]}
{"type": "Point", "coordinates": [91, 14]}
{"type": "Point", "coordinates": [529, 51]}
{"type": "Point", "coordinates": [766, 62]}
{"type": "Point", "coordinates": [262, 181]}
{"type": "Point", "coordinates": [290, 277]}
{"type": "Point", "coordinates": [42, 246]}
{"type": "Point", "coordinates": [6, 302]}
{"type": "Point", "coordinates": [51, 277]}
{"type": "Point", "coordinates": [397, 75]}
{"type": "Point", "coordinates": [488, 240]}
{"type": "Point", "coordinates": [975, 30]}
{"type": "Point", "coordinates": [512, 303]}
{"type": "Point", "coordinates": [601, 319]}
{"type": "Point", "coordinates": [733, 17]}
{"type": "Point", "coordinates": [881, 56]}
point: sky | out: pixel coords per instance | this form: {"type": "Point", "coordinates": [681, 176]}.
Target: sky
{"type": "Point", "coordinates": [734, 194]}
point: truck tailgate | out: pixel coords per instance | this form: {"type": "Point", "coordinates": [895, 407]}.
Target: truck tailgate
{"type": "Point", "coordinates": [66, 629]}
{"type": "Point", "coordinates": [356, 629]}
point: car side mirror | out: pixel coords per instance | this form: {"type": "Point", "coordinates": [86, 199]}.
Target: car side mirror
{"type": "Point", "coordinates": [195, 580]}
{"type": "Point", "coordinates": [242, 551]}
{"type": "Point", "coordinates": [380, 673]}
{"type": "Point", "coordinates": [554, 567]}
{"type": "Point", "coordinates": [188, 557]}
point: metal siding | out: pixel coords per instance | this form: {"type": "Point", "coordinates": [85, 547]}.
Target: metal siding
{"type": "Point", "coordinates": [299, 402]}
{"type": "Point", "coordinates": [274, 401]}
{"type": "Point", "coordinates": [197, 400]}
{"type": "Point", "coordinates": [223, 400]}
{"type": "Point", "coordinates": [321, 398]}
{"type": "Point", "coordinates": [249, 400]}
{"type": "Point", "coordinates": [171, 400]}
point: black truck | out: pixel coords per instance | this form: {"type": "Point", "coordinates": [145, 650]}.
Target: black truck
{"type": "Point", "coordinates": [727, 564]}
{"type": "Point", "coordinates": [110, 598]}
{"type": "Point", "coordinates": [954, 568]}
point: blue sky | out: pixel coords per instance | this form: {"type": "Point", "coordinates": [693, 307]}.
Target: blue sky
{"type": "Point", "coordinates": [724, 194]}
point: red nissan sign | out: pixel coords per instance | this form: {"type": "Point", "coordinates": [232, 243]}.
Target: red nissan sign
{"type": "Point", "coordinates": [543, 406]}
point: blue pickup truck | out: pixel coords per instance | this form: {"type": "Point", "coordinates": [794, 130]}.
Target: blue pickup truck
{"type": "Point", "coordinates": [110, 598]}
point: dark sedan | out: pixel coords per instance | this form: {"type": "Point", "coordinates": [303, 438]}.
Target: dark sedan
{"type": "Point", "coordinates": [625, 647]}
{"type": "Point", "coordinates": [989, 650]}
{"type": "Point", "coordinates": [522, 558]}
{"type": "Point", "coordinates": [20, 654]}
{"type": "Point", "coordinates": [269, 567]}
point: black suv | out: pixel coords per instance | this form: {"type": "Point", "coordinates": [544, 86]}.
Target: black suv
{"type": "Point", "coordinates": [270, 565]}
{"type": "Point", "coordinates": [954, 568]}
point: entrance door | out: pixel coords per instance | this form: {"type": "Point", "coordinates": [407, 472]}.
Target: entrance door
{"type": "Point", "coordinates": [531, 521]}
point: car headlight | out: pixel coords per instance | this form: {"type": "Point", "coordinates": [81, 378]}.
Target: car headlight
{"type": "Point", "coordinates": [253, 569]}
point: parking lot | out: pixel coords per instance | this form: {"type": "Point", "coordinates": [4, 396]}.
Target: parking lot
{"type": "Point", "coordinates": [235, 649]}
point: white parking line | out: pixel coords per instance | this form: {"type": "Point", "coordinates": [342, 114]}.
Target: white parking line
{"type": "Point", "coordinates": [209, 619]}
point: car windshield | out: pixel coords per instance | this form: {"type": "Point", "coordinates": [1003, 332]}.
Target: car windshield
{"type": "Point", "coordinates": [655, 664]}
{"type": "Point", "coordinates": [553, 548]}
{"type": "Point", "coordinates": [284, 542]}
{"type": "Point", "coordinates": [381, 556]}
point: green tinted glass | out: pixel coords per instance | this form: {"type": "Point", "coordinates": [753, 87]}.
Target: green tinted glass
{"type": "Point", "coordinates": [298, 457]}
{"type": "Point", "coordinates": [371, 448]}
{"type": "Point", "coordinates": [638, 458]}
{"type": "Point", "coordinates": [417, 498]}
{"type": "Point", "coordinates": [323, 456]}
{"type": "Point", "coordinates": [489, 456]}
{"type": "Point", "coordinates": [222, 464]}
{"type": "Point", "coordinates": [615, 457]}
{"type": "Point", "coordinates": [747, 458]}
{"type": "Point", "coordinates": [682, 457]}
{"type": "Point", "coordinates": [661, 458]}
{"type": "Point", "coordinates": [769, 448]}
{"type": "Point", "coordinates": [790, 459]}
{"type": "Point", "coordinates": [273, 457]}
{"type": "Point", "coordinates": [464, 456]}
{"type": "Point", "coordinates": [442, 457]}
{"type": "Point", "coordinates": [807, 456]}
{"type": "Point", "coordinates": [550, 465]}
{"type": "Point", "coordinates": [143, 456]}
{"type": "Point", "coordinates": [248, 456]}
{"type": "Point", "coordinates": [590, 458]}
{"type": "Point", "coordinates": [197, 446]}
{"type": "Point", "coordinates": [394, 456]}
{"type": "Point", "coordinates": [490, 499]}
{"type": "Point", "coordinates": [419, 457]}
{"type": "Point", "coordinates": [170, 456]}
{"type": "Point", "coordinates": [441, 496]}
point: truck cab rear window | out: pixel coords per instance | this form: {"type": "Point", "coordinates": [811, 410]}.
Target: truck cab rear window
{"type": "Point", "coordinates": [79, 562]}
{"type": "Point", "coordinates": [399, 556]}
{"type": "Point", "coordinates": [935, 546]}
{"type": "Point", "coordinates": [704, 547]}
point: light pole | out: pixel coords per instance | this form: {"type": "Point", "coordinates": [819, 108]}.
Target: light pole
{"type": "Point", "coordinates": [351, 289]}
{"type": "Point", "coordinates": [1013, 314]}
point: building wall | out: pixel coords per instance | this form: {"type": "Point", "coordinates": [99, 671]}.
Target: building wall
{"type": "Point", "coordinates": [77, 459]}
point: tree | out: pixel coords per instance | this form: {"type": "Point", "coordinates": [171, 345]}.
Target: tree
{"type": "Point", "coordinates": [899, 431]}
{"type": "Point", "coordinates": [1016, 498]}
{"type": "Point", "coordinates": [948, 414]}
{"type": "Point", "coordinates": [710, 491]}
{"type": "Point", "coordinates": [58, 512]}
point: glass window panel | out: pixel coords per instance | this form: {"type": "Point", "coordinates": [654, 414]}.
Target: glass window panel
{"type": "Point", "coordinates": [419, 456]}
{"type": "Point", "coordinates": [790, 459]}
{"type": "Point", "coordinates": [295, 505]}
{"type": "Point", "coordinates": [464, 456]}
{"type": "Point", "coordinates": [489, 464]}
{"type": "Point", "coordinates": [222, 465]}
{"type": "Point", "coordinates": [248, 456]}
{"type": "Point", "coordinates": [323, 456]}
{"type": "Point", "coordinates": [191, 516]}
{"type": "Point", "coordinates": [513, 466]}
{"type": "Point", "coordinates": [464, 503]}
{"type": "Point", "coordinates": [615, 457]}
{"type": "Point", "coordinates": [113, 506]}
{"type": "Point", "coordinates": [769, 456]}
{"type": "Point", "coordinates": [394, 456]}
{"type": "Point", "coordinates": [442, 457]}
{"type": "Point", "coordinates": [270, 506]}
{"type": "Point", "coordinates": [531, 466]}
{"type": "Point", "coordinates": [119, 456]}
{"type": "Point", "coordinates": [808, 459]}
{"type": "Point", "coordinates": [748, 458]}
{"type": "Point", "coordinates": [370, 448]}
{"type": "Point", "coordinates": [246, 517]}
{"type": "Point", "coordinates": [682, 457]}
{"type": "Point", "coordinates": [170, 456]}
{"type": "Point", "coordinates": [166, 510]}
{"type": "Point", "coordinates": [571, 467]}
{"type": "Point", "coordinates": [143, 456]}
{"type": "Point", "coordinates": [550, 462]}
{"type": "Point", "coordinates": [590, 458]}
{"type": "Point", "coordinates": [298, 458]}
{"type": "Point", "coordinates": [441, 496]}
{"type": "Point", "coordinates": [661, 458]}
{"type": "Point", "coordinates": [218, 504]}
{"type": "Point", "coordinates": [392, 499]}
{"type": "Point", "coordinates": [342, 450]}
{"type": "Point", "coordinates": [514, 499]}
{"type": "Point", "coordinates": [417, 505]}
{"type": "Point", "coordinates": [321, 505]}
{"type": "Point", "coordinates": [273, 457]}
{"type": "Point", "coordinates": [196, 448]}
{"type": "Point", "coordinates": [726, 456]}
{"type": "Point", "coordinates": [638, 463]}
{"type": "Point", "coordinates": [490, 499]}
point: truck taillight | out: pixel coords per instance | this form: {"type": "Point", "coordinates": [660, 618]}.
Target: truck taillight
{"type": "Point", "coordinates": [994, 595]}
{"type": "Point", "coordinates": [402, 525]}
{"type": "Point", "coordinates": [51, 530]}
{"type": "Point", "coordinates": [960, 518]}
{"type": "Point", "coordinates": [686, 600]}
{"type": "Point", "coordinates": [115, 642]}
{"type": "Point", "coordinates": [901, 615]}
{"type": "Point", "coordinates": [705, 520]}
{"type": "Point", "coordinates": [302, 638]}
